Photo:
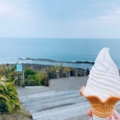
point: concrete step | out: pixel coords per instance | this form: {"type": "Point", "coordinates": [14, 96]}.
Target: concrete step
{"type": "Point", "coordinates": [52, 94]}
{"type": "Point", "coordinates": [57, 97]}
{"type": "Point", "coordinates": [36, 96]}
{"type": "Point", "coordinates": [63, 113]}
{"type": "Point", "coordinates": [38, 106]}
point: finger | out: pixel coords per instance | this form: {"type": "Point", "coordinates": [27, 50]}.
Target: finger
{"type": "Point", "coordinates": [116, 115]}
{"type": "Point", "coordinates": [112, 118]}
{"type": "Point", "coordinates": [81, 90]}
{"type": "Point", "coordinates": [89, 112]}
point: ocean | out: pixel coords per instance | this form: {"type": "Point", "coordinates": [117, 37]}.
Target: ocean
{"type": "Point", "coordinates": [59, 49]}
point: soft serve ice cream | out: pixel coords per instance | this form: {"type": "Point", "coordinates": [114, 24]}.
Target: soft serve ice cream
{"type": "Point", "coordinates": [104, 80]}
{"type": "Point", "coordinates": [103, 86]}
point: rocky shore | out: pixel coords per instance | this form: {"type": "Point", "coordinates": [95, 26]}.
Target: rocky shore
{"type": "Point", "coordinates": [57, 61]}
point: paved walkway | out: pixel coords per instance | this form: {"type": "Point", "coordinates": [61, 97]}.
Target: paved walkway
{"type": "Point", "coordinates": [56, 105]}
{"type": "Point", "coordinates": [60, 101]}
{"type": "Point", "coordinates": [61, 84]}
{"type": "Point", "coordinates": [71, 83]}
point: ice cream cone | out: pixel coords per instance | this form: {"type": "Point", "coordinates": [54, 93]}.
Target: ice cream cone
{"type": "Point", "coordinates": [101, 109]}
{"type": "Point", "coordinates": [103, 86]}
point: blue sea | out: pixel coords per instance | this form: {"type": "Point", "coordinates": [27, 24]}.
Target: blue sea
{"type": "Point", "coordinates": [61, 49]}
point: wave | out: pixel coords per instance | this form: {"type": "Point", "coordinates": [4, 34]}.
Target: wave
{"type": "Point", "coordinates": [57, 61]}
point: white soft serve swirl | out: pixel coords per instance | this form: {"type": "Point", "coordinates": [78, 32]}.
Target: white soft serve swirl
{"type": "Point", "coordinates": [104, 80]}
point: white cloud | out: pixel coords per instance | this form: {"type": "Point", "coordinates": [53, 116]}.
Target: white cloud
{"type": "Point", "coordinates": [112, 16]}
{"type": "Point", "coordinates": [14, 9]}
{"type": "Point", "coordinates": [104, 26]}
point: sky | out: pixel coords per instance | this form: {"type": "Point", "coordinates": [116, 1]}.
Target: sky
{"type": "Point", "coordinates": [60, 18]}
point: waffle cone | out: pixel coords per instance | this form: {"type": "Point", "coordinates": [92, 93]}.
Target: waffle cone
{"type": "Point", "coordinates": [101, 109]}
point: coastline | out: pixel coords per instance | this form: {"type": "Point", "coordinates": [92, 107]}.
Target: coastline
{"type": "Point", "coordinates": [50, 62]}
{"type": "Point", "coordinates": [57, 61]}
{"type": "Point", "coordinates": [38, 63]}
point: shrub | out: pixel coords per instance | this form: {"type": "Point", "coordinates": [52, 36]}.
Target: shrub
{"type": "Point", "coordinates": [29, 73]}
{"type": "Point", "coordinates": [29, 76]}
{"type": "Point", "coordinates": [52, 71]}
{"type": "Point", "coordinates": [8, 71]}
{"type": "Point", "coordinates": [9, 101]}
{"type": "Point", "coordinates": [33, 78]}
{"type": "Point", "coordinates": [42, 77]}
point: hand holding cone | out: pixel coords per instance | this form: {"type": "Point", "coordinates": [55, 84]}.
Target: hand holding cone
{"type": "Point", "coordinates": [103, 86]}
{"type": "Point", "coordinates": [101, 109]}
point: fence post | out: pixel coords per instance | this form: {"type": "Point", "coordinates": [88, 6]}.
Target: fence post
{"type": "Point", "coordinates": [76, 72]}
{"type": "Point", "coordinates": [58, 73]}
{"type": "Point", "coordinates": [84, 72]}
{"type": "Point", "coordinates": [23, 82]}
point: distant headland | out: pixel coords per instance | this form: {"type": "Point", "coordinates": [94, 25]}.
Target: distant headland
{"type": "Point", "coordinates": [57, 61]}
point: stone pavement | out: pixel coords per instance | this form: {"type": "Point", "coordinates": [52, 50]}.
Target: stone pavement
{"type": "Point", "coordinates": [56, 105]}
{"type": "Point", "coordinates": [59, 101]}
{"type": "Point", "coordinates": [32, 90]}
{"type": "Point", "coordinates": [61, 84]}
{"type": "Point", "coordinates": [70, 83]}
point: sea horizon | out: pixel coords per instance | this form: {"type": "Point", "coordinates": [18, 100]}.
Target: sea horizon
{"type": "Point", "coordinates": [59, 49]}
